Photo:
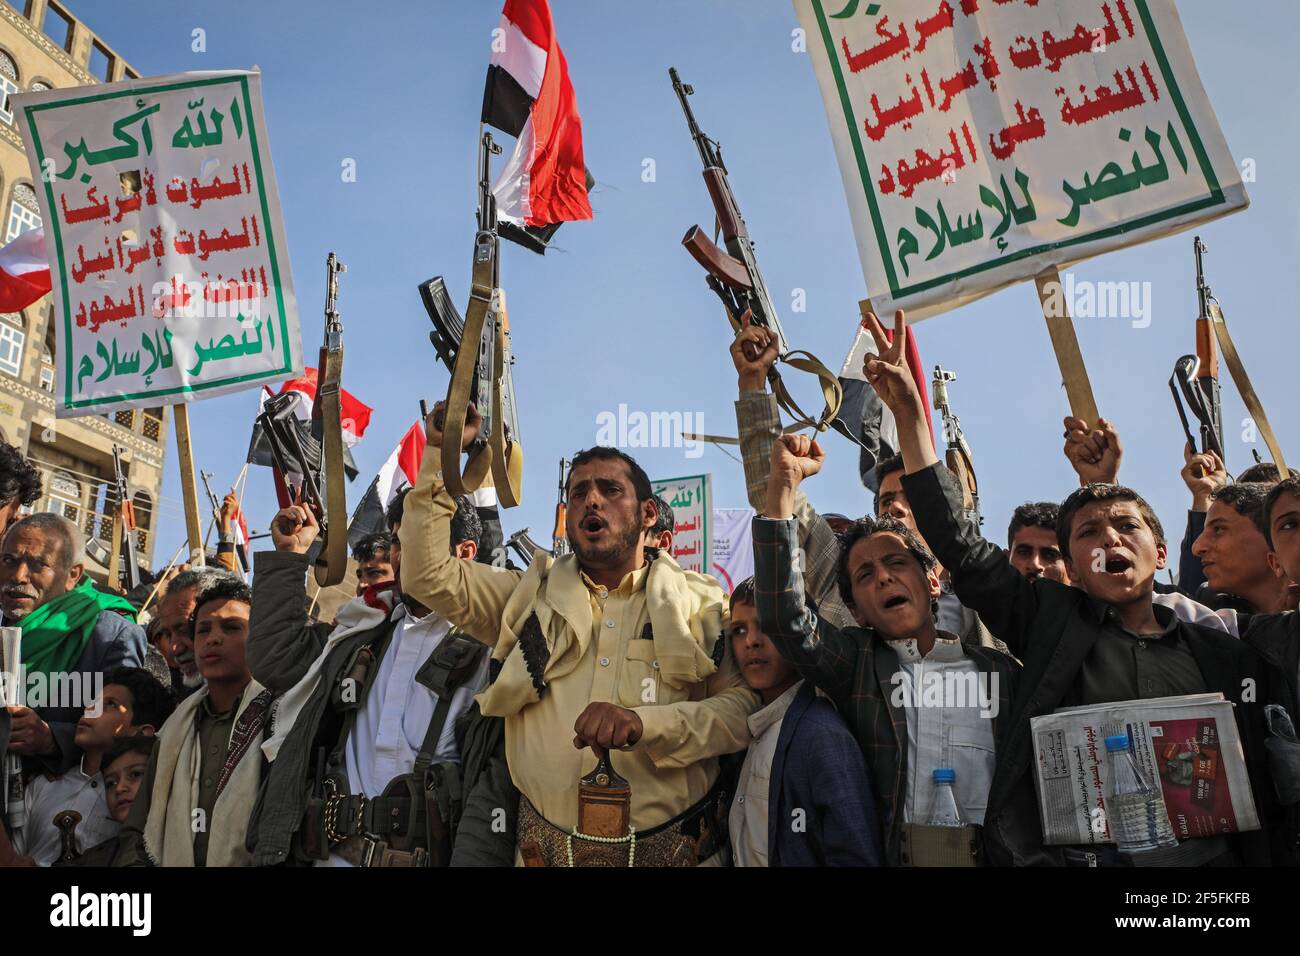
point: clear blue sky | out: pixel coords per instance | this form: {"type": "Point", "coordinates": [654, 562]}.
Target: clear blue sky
{"type": "Point", "coordinates": [620, 314]}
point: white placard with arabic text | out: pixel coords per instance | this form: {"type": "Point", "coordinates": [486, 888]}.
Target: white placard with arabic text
{"type": "Point", "coordinates": [982, 142]}
{"type": "Point", "coordinates": [691, 500]}
{"type": "Point", "coordinates": [168, 258]}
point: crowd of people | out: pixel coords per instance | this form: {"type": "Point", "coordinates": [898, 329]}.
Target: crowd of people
{"type": "Point", "coordinates": [453, 711]}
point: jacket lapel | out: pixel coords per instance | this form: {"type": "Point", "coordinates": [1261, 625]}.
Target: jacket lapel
{"type": "Point", "coordinates": [789, 727]}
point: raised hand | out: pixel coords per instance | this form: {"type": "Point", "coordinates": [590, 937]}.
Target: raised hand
{"type": "Point", "coordinates": [434, 424]}
{"type": "Point", "coordinates": [1203, 474]}
{"type": "Point", "coordinates": [754, 352]}
{"type": "Point", "coordinates": [794, 458]}
{"type": "Point", "coordinates": [887, 371]}
{"type": "Point", "coordinates": [294, 528]}
{"type": "Point", "coordinates": [229, 505]}
{"type": "Point", "coordinates": [1093, 453]}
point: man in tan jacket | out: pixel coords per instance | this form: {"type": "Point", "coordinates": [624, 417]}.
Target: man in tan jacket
{"type": "Point", "coordinates": [597, 649]}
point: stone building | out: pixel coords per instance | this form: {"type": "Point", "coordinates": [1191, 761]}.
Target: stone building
{"type": "Point", "coordinates": [43, 46]}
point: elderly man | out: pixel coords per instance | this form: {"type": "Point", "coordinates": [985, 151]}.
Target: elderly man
{"type": "Point", "coordinates": [72, 632]}
{"type": "Point", "coordinates": [175, 609]}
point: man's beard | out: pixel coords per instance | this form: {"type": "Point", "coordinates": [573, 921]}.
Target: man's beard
{"type": "Point", "coordinates": [610, 556]}
{"type": "Point", "coordinates": [17, 591]}
{"type": "Point", "coordinates": [191, 681]}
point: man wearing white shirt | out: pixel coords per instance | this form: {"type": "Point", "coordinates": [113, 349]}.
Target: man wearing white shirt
{"type": "Point", "coordinates": [367, 717]}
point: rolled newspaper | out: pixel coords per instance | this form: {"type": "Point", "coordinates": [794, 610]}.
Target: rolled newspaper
{"type": "Point", "coordinates": [15, 804]}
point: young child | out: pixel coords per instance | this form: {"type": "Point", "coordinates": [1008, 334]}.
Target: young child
{"type": "Point", "coordinates": [803, 798]}
{"type": "Point", "coordinates": [133, 703]}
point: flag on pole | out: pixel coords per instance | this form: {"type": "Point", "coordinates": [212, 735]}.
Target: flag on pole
{"type": "Point", "coordinates": [24, 271]}
{"type": "Point", "coordinates": [355, 414]}
{"type": "Point", "coordinates": [529, 96]}
{"type": "Point", "coordinates": [398, 472]}
{"type": "Point", "coordinates": [865, 415]}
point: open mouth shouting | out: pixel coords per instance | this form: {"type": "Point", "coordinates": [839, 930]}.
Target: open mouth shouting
{"type": "Point", "coordinates": [592, 525]}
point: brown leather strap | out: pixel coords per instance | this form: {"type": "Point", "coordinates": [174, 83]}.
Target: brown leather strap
{"type": "Point", "coordinates": [507, 455]}
{"type": "Point", "coordinates": [1244, 388]}
{"type": "Point", "coordinates": [333, 562]}
{"type": "Point", "coordinates": [462, 379]}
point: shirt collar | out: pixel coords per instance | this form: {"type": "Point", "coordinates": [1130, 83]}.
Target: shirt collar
{"type": "Point", "coordinates": [1107, 615]}
{"type": "Point", "coordinates": [763, 719]}
{"type": "Point", "coordinates": [402, 612]}
{"type": "Point", "coordinates": [632, 582]}
{"type": "Point", "coordinates": [945, 649]}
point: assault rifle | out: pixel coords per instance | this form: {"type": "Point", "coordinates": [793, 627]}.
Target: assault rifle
{"type": "Point", "coordinates": [327, 428]}
{"type": "Point", "coordinates": [1212, 426]}
{"type": "Point", "coordinates": [522, 544]}
{"type": "Point", "coordinates": [476, 350]}
{"type": "Point", "coordinates": [958, 456]}
{"type": "Point", "coordinates": [559, 536]}
{"type": "Point", "coordinates": [735, 278]}
{"type": "Point", "coordinates": [126, 514]}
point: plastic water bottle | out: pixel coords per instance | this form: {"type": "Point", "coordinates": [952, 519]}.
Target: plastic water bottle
{"type": "Point", "coordinates": [1135, 809]}
{"type": "Point", "coordinates": [944, 810]}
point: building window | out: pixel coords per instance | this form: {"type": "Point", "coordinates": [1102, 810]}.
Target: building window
{"type": "Point", "coordinates": [143, 519]}
{"type": "Point", "coordinates": [47, 360]}
{"type": "Point", "coordinates": [101, 62]}
{"type": "Point", "coordinates": [11, 344]}
{"type": "Point", "coordinates": [153, 424]}
{"type": "Point", "coordinates": [64, 496]}
{"type": "Point", "coordinates": [58, 27]}
{"type": "Point", "coordinates": [126, 418]}
{"type": "Point", "coordinates": [24, 212]}
{"type": "Point", "coordinates": [40, 86]}
{"type": "Point", "coordinates": [8, 85]}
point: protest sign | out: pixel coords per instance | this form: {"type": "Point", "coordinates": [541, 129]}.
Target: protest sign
{"type": "Point", "coordinates": [691, 500]}
{"type": "Point", "coordinates": [168, 259]}
{"type": "Point", "coordinates": [982, 142]}
{"type": "Point", "coordinates": [733, 546]}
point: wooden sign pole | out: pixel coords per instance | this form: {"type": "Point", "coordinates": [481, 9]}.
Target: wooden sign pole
{"type": "Point", "coordinates": [189, 490]}
{"type": "Point", "coordinates": [1051, 294]}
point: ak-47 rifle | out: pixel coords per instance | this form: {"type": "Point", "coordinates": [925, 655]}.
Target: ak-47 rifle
{"type": "Point", "coordinates": [958, 456]}
{"type": "Point", "coordinates": [477, 352]}
{"type": "Point", "coordinates": [327, 428]}
{"type": "Point", "coordinates": [735, 277]}
{"type": "Point", "coordinates": [126, 512]}
{"type": "Point", "coordinates": [522, 544]}
{"type": "Point", "coordinates": [1207, 354]}
{"type": "Point", "coordinates": [559, 536]}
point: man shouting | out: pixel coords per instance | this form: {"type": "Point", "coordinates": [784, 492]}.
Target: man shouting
{"type": "Point", "coordinates": [595, 649]}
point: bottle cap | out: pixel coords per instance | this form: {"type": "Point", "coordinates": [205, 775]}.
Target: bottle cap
{"type": "Point", "coordinates": [944, 775]}
{"type": "Point", "coordinates": [1117, 742]}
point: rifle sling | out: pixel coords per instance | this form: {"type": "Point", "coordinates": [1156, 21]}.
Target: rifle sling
{"type": "Point", "coordinates": [507, 458]}
{"type": "Point", "coordinates": [334, 550]}
{"type": "Point", "coordinates": [462, 380]}
{"type": "Point", "coordinates": [832, 391]}
{"type": "Point", "coordinates": [1246, 390]}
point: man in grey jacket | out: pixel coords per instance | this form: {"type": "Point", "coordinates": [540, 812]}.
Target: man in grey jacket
{"type": "Point", "coordinates": [365, 726]}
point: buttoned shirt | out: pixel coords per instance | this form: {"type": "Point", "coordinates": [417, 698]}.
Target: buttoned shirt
{"type": "Point", "coordinates": [47, 797]}
{"type": "Point", "coordinates": [214, 732]}
{"type": "Point", "coordinates": [1123, 665]}
{"type": "Point", "coordinates": [749, 811]}
{"type": "Point", "coordinates": [948, 725]}
{"type": "Point", "coordinates": [390, 728]}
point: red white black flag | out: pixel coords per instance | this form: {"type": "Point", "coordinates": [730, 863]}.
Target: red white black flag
{"type": "Point", "coordinates": [529, 96]}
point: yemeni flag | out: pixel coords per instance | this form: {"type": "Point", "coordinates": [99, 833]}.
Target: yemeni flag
{"type": "Point", "coordinates": [355, 414]}
{"type": "Point", "coordinates": [865, 414]}
{"type": "Point", "coordinates": [529, 96]}
{"type": "Point", "coordinates": [398, 472]}
{"type": "Point", "coordinates": [24, 271]}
